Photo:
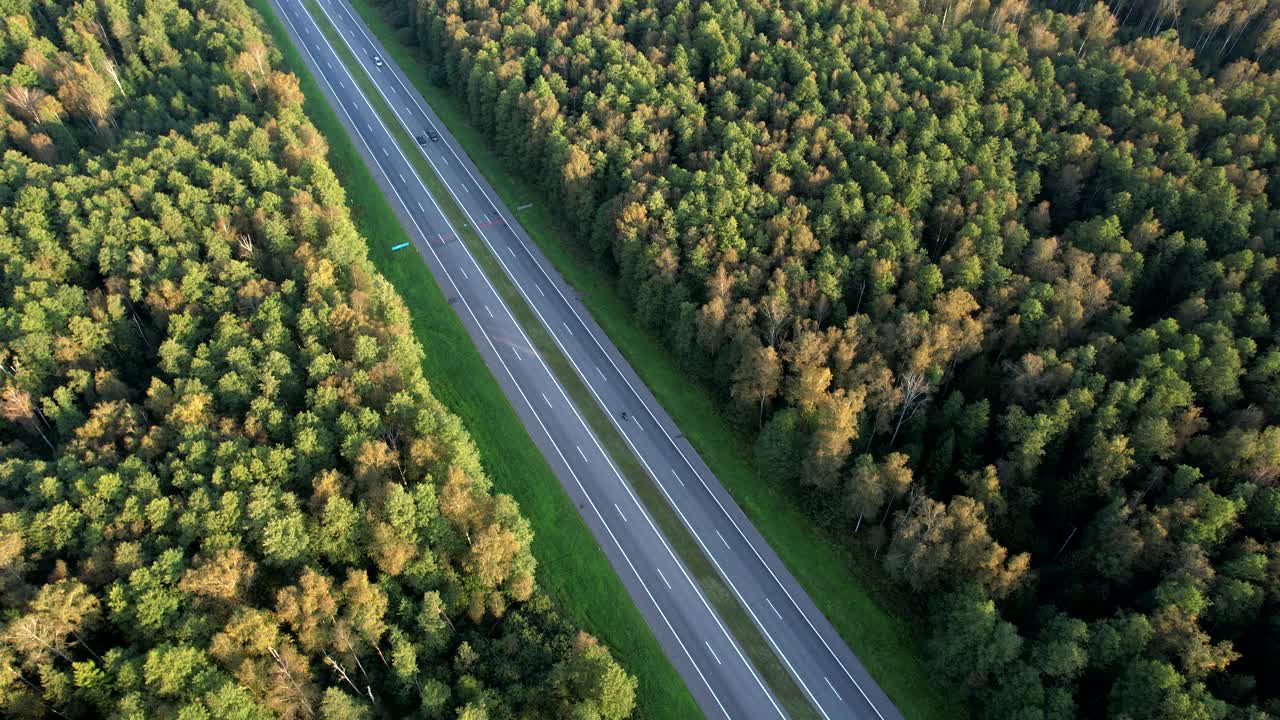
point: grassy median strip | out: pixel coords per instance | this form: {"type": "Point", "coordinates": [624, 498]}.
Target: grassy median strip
{"type": "Point", "coordinates": [573, 570]}
{"type": "Point", "coordinates": [684, 544]}
{"type": "Point", "coordinates": [848, 585]}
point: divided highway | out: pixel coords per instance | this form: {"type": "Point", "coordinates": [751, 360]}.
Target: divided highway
{"type": "Point", "coordinates": [707, 656]}
{"type": "Point", "coordinates": [693, 636]}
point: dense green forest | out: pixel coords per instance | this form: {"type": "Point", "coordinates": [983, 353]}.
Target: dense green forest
{"type": "Point", "coordinates": [993, 285]}
{"type": "Point", "coordinates": [226, 489]}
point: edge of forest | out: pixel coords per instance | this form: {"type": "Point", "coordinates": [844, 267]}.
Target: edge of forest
{"type": "Point", "coordinates": [849, 586]}
{"type": "Point", "coordinates": [572, 570]}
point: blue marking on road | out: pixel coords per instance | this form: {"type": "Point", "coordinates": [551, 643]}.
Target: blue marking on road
{"type": "Point", "coordinates": [401, 245]}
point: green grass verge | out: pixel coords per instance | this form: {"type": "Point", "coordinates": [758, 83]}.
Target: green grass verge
{"type": "Point", "coordinates": [718, 593]}
{"type": "Point", "coordinates": [866, 607]}
{"type": "Point", "coordinates": [572, 569]}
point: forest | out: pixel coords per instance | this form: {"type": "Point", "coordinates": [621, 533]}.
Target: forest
{"type": "Point", "coordinates": [991, 285]}
{"type": "Point", "coordinates": [226, 488]}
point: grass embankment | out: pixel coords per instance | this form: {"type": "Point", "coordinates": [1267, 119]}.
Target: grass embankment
{"type": "Point", "coordinates": [852, 590]}
{"type": "Point", "coordinates": [753, 643]}
{"type": "Point", "coordinates": [572, 569]}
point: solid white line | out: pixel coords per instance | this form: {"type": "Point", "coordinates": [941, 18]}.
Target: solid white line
{"type": "Point", "coordinates": [774, 609]}
{"type": "Point", "coordinates": [584, 456]}
{"type": "Point", "coordinates": [726, 542]}
{"type": "Point", "coordinates": [486, 309]}
{"type": "Point", "coordinates": [713, 652]}
{"type": "Point", "coordinates": [664, 578]}
{"type": "Point", "coordinates": [617, 473]}
{"type": "Point", "coordinates": [545, 400]}
{"type": "Point", "coordinates": [566, 327]}
{"type": "Point", "coordinates": [833, 689]}
{"type": "Point", "coordinates": [615, 507]}
{"type": "Point", "coordinates": [673, 472]}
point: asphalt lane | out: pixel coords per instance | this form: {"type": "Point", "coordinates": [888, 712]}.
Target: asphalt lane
{"type": "Point", "coordinates": [722, 680]}
{"type": "Point", "coordinates": [831, 676]}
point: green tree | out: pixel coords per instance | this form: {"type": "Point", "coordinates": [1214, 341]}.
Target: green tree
{"type": "Point", "coordinates": [970, 643]}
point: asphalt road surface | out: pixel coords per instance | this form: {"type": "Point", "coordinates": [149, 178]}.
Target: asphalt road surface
{"type": "Point", "coordinates": [707, 656]}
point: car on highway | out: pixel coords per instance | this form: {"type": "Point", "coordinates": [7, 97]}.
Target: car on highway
{"type": "Point", "coordinates": [377, 60]}
{"type": "Point", "coordinates": [431, 135]}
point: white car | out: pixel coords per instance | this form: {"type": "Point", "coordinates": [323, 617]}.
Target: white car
{"type": "Point", "coordinates": [377, 60]}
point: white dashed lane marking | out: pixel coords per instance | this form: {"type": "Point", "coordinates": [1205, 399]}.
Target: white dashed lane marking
{"type": "Point", "coordinates": [774, 609]}
{"type": "Point", "coordinates": [833, 689]}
